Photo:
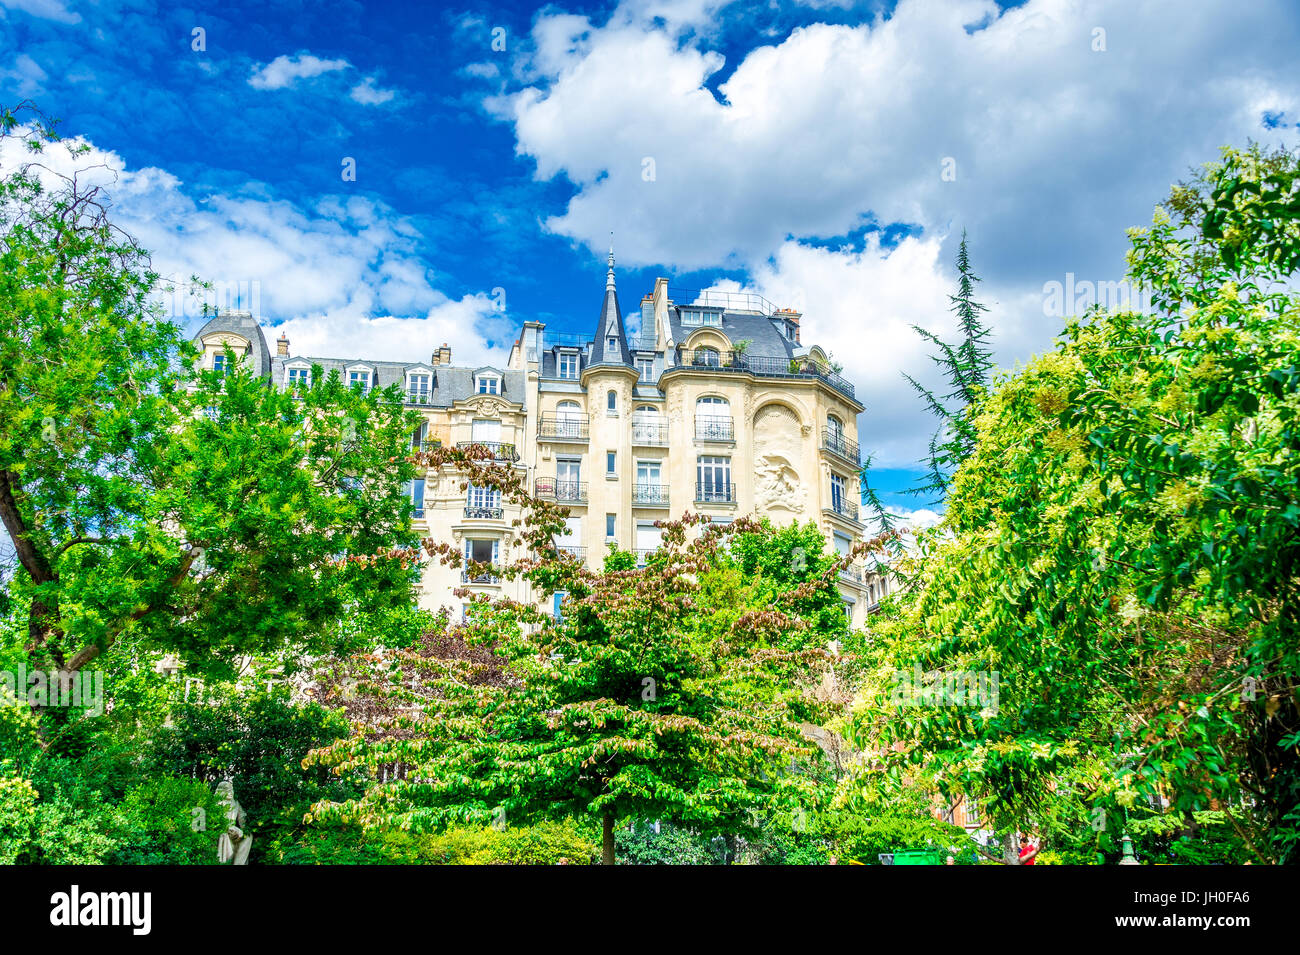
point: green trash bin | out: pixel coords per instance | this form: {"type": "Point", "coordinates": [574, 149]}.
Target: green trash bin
{"type": "Point", "coordinates": [912, 857]}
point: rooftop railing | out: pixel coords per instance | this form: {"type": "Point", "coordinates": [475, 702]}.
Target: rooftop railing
{"type": "Point", "coordinates": [761, 366]}
{"type": "Point", "coordinates": [718, 298]}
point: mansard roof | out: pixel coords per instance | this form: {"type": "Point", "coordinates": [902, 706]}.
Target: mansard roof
{"type": "Point", "coordinates": [245, 326]}
{"type": "Point", "coordinates": [451, 383]}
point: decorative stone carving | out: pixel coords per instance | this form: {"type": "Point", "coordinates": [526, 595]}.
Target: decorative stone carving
{"type": "Point", "coordinates": [777, 446]}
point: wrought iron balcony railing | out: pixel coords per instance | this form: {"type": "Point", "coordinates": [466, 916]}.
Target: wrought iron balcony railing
{"type": "Point", "coordinates": [835, 442]}
{"type": "Point", "coordinates": [650, 435]}
{"type": "Point", "coordinates": [650, 495]}
{"type": "Point", "coordinates": [417, 396]}
{"type": "Point", "coordinates": [501, 450]}
{"type": "Point", "coordinates": [852, 574]}
{"type": "Point", "coordinates": [466, 578]}
{"type": "Point", "coordinates": [551, 489]}
{"type": "Point", "coordinates": [642, 553]}
{"type": "Point", "coordinates": [563, 428]}
{"type": "Point", "coordinates": [483, 512]}
{"type": "Point", "coordinates": [709, 492]}
{"type": "Point", "coordinates": [714, 428]}
{"type": "Point", "coordinates": [578, 552]}
{"type": "Point", "coordinates": [843, 507]}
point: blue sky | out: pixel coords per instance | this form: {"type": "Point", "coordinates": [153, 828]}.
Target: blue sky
{"type": "Point", "coordinates": [825, 154]}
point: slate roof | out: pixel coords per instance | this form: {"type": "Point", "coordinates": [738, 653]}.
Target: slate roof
{"type": "Point", "coordinates": [450, 383]}
{"type": "Point", "coordinates": [610, 326]}
{"type": "Point", "coordinates": [244, 325]}
{"type": "Point", "coordinates": [766, 338]}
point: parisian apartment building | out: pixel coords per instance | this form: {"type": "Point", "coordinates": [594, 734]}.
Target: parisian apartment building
{"type": "Point", "coordinates": [715, 406]}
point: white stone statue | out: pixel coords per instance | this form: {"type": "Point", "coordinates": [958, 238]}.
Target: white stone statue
{"type": "Point", "coordinates": [234, 846]}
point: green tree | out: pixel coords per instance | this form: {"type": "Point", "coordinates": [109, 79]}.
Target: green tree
{"type": "Point", "coordinates": [1121, 548]}
{"type": "Point", "coordinates": [641, 700]}
{"type": "Point", "coordinates": [211, 515]}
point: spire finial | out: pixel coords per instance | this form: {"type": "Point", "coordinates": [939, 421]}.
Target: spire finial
{"type": "Point", "coordinates": [609, 276]}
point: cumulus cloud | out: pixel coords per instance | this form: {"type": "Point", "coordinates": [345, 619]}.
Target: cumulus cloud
{"type": "Point", "coordinates": [26, 75]}
{"type": "Point", "coordinates": [344, 276]}
{"type": "Point", "coordinates": [286, 70]}
{"type": "Point", "coordinates": [369, 93]}
{"type": "Point", "coordinates": [1041, 135]}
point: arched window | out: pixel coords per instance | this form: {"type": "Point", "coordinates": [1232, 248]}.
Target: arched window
{"type": "Point", "coordinates": [708, 357]}
{"type": "Point", "coordinates": [611, 401]}
{"type": "Point", "coordinates": [713, 419]}
{"type": "Point", "coordinates": [568, 420]}
{"type": "Point", "coordinates": [834, 433]}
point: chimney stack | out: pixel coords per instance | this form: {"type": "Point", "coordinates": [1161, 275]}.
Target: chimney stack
{"type": "Point", "coordinates": [443, 355]}
{"type": "Point", "coordinates": [282, 346]}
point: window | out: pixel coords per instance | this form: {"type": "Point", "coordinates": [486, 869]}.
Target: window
{"type": "Point", "coordinates": [557, 606]}
{"type": "Point", "coordinates": [480, 551]}
{"type": "Point", "coordinates": [713, 419]}
{"type": "Point", "coordinates": [568, 364]}
{"type": "Point", "coordinates": [417, 497]}
{"type": "Point", "coordinates": [713, 479]}
{"type": "Point", "coordinates": [482, 502]}
{"type": "Point", "coordinates": [839, 496]}
{"type": "Point", "coordinates": [695, 316]}
{"type": "Point", "coordinates": [609, 526]}
{"type": "Point", "coordinates": [649, 487]}
{"type": "Point", "coordinates": [486, 431]}
{"type": "Point", "coordinates": [848, 612]}
{"type": "Point", "coordinates": [568, 420]}
{"type": "Point", "coordinates": [489, 385]}
{"type": "Point", "coordinates": [835, 432]}
{"type": "Point", "coordinates": [611, 463]}
{"type": "Point", "coordinates": [646, 368]}
{"type": "Point", "coordinates": [611, 345]}
{"type": "Point", "coordinates": [417, 389]}
{"type": "Point", "coordinates": [707, 357]}
{"type": "Point", "coordinates": [649, 426]}
{"type": "Point", "coordinates": [219, 363]}
{"type": "Point", "coordinates": [359, 379]}
{"type": "Point", "coordinates": [611, 401]}
{"type": "Point", "coordinates": [568, 474]}
{"type": "Point", "coordinates": [300, 377]}
{"type": "Point", "coordinates": [420, 436]}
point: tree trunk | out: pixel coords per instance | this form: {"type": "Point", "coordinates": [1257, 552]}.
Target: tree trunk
{"type": "Point", "coordinates": [607, 843]}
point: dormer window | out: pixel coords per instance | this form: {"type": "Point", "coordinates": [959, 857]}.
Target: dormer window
{"type": "Point", "coordinates": [568, 364]}
{"type": "Point", "coordinates": [299, 378]}
{"type": "Point", "coordinates": [699, 316]}
{"type": "Point", "coordinates": [219, 363]}
{"type": "Point", "coordinates": [417, 388]}
{"type": "Point", "coordinates": [359, 380]}
{"type": "Point", "coordinates": [488, 385]}
{"type": "Point", "coordinates": [611, 344]}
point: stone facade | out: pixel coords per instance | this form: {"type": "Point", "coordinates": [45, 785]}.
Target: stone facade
{"type": "Point", "coordinates": [714, 407]}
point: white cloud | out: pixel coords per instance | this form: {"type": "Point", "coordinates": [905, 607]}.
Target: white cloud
{"type": "Point", "coordinates": [26, 74]}
{"type": "Point", "coordinates": [1057, 149]}
{"type": "Point", "coordinates": [44, 9]}
{"type": "Point", "coordinates": [368, 93]}
{"type": "Point", "coordinates": [286, 70]}
{"type": "Point", "coordinates": [344, 277]}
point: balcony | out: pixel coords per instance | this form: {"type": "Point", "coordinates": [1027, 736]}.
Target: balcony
{"type": "Point", "coordinates": [763, 367]}
{"type": "Point", "coordinates": [467, 578]}
{"type": "Point", "coordinates": [483, 512]}
{"type": "Point", "coordinates": [563, 492]}
{"type": "Point", "coordinates": [843, 507]}
{"type": "Point", "coordinates": [851, 575]}
{"type": "Point", "coordinates": [835, 443]}
{"type": "Point", "coordinates": [714, 428]}
{"type": "Point", "coordinates": [709, 492]}
{"type": "Point", "coordinates": [501, 450]}
{"type": "Point", "coordinates": [642, 553]}
{"type": "Point", "coordinates": [650, 435]}
{"type": "Point", "coordinates": [570, 428]}
{"type": "Point", "coordinates": [577, 553]}
{"type": "Point", "coordinates": [650, 495]}
{"type": "Point", "coordinates": [417, 396]}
